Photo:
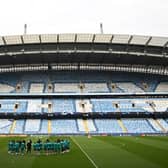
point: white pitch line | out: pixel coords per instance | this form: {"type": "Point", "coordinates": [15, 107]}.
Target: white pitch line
{"type": "Point", "coordinates": [88, 157]}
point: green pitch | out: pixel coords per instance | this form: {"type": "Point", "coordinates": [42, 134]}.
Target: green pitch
{"type": "Point", "coordinates": [95, 152]}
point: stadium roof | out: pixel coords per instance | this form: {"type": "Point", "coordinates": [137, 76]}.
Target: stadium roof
{"type": "Point", "coordinates": [84, 38]}
{"type": "Point", "coordinates": [83, 48]}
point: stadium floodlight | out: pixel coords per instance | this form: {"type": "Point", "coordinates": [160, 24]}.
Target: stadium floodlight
{"type": "Point", "coordinates": [25, 29]}
{"type": "Point", "coordinates": [101, 28]}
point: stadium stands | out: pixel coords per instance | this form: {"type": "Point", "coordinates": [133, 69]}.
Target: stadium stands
{"type": "Point", "coordinates": [137, 126]}
{"type": "Point", "coordinates": [162, 87]}
{"type": "Point", "coordinates": [5, 125]}
{"type": "Point", "coordinates": [107, 126]}
{"type": "Point", "coordinates": [164, 124]}
{"type": "Point", "coordinates": [36, 88]}
{"type": "Point", "coordinates": [80, 126]}
{"type": "Point", "coordinates": [95, 87]}
{"type": "Point", "coordinates": [92, 82]}
{"type": "Point", "coordinates": [66, 88]}
{"type": "Point", "coordinates": [63, 105]}
{"type": "Point", "coordinates": [32, 126]}
{"type": "Point", "coordinates": [34, 105]}
{"type": "Point", "coordinates": [129, 87]}
{"type": "Point", "coordinates": [83, 84]}
{"type": "Point", "coordinates": [19, 127]}
{"type": "Point", "coordinates": [44, 127]}
{"type": "Point", "coordinates": [4, 88]}
{"type": "Point", "coordinates": [63, 127]}
{"type": "Point", "coordinates": [155, 126]}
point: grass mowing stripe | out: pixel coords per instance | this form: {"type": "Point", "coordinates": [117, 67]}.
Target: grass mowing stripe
{"type": "Point", "coordinates": [147, 152]}
{"type": "Point", "coordinates": [89, 158]}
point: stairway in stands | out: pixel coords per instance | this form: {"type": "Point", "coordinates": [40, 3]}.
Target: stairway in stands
{"type": "Point", "coordinates": [122, 126]}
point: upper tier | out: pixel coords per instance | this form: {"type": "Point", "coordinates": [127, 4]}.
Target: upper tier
{"type": "Point", "coordinates": [83, 48]}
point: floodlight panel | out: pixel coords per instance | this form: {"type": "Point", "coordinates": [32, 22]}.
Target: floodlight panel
{"type": "Point", "coordinates": [67, 38]}
{"type": "Point", "coordinates": [139, 40]}
{"type": "Point", "coordinates": [28, 39]}
{"type": "Point", "coordinates": [49, 38]}
{"type": "Point", "coordinates": [120, 39]}
{"type": "Point", "coordinates": [158, 41]}
{"type": "Point", "coordinates": [102, 38]}
{"type": "Point", "coordinates": [84, 38]}
{"type": "Point", "coordinates": [12, 40]}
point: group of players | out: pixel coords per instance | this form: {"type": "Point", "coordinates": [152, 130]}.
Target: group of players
{"type": "Point", "coordinates": [39, 147]}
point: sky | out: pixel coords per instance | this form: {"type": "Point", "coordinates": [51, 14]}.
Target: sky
{"type": "Point", "coordinates": [134, 17]}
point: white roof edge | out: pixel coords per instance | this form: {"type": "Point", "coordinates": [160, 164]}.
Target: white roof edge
{"type": "Point", "coordinates": [158, 41]}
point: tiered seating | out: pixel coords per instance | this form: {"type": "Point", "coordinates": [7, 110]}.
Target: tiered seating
{"type": "Point", "coordinates": [129, 87]}
{"type": "Point", "coordinates": [36, 88]}
{"type": "Point", "coordinates": [95, 87]}
{"type": "Point", "coordinates": [8, 83]}
{"type": "Point", "coordinates": [12, 105]}
{"type": "Point", "coordinates": [63, 105]}
{"type": "Point", "coordinates": [80, 125]}
{"type": "Point", "coordinates": [91, 126]}
{"type": "Point", "coordinates": [162, 87]}
{"type": "Point", "coordinates": [137, 126]}
{"type": "Point", "coordinates": [83, 106]}
{"type": "Point", "coordinates": [34, 105]}
{"type": "Point", "coordinates": [32, 126]}
{"type": "Point", "coordinates": [161, 105]}
{"type": "Point", "coordinates": [143, 105]}
{"type": "Point", "coordinates": [63, 126]}
{"type": "Point", "coordinates": [19, 128]}
{"type": "Point", "coordinates": [5, 126]}
{"type": "Point", "coordinates": [120, 105]}
{"type": "Point", "coordinates": [29, 80]}
{"type": "Point", "coordinates": [107, 126]}
{"type": "Point", "coordinates": [24, 86]}
{"type": "Point", "coordinates": [66, 88]}
{"type": "Point", "coordinates": [115, 89]}
{"type": "Point", "coordinates": [44, 127]}
{"type": "Point", "coordinates": [127, 106]}
{"type": "Point", "coordinates": [164, 124]}
{"type": "Point", "coordinates": [4, 88]}
{"type": "Point", "coordinates": [103, 105]}
{"type": "Point", "coordinates": [155, 125]}
{"type": "Point", "coordinates": [7, 106]}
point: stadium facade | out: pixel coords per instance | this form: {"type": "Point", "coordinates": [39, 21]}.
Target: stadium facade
{"type": "Point", "coordinates": [83, 84]}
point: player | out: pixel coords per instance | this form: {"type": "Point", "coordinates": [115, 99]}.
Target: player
{"type": "Point", "coordinates": [22, 147]}
{"type": "Point", "coordinates": [13, 147]}
{"type": "Point", "coordinates": [46, 148]}
{"type": "Point", "coordinates": [67, 144]}
{"type": "Point", "coordinates": [17, 148]}
{"type": "Point", "coordinates": [10, 146]}
{"type": "Point", "coordinates": [59, 147]}
{"type": "Point", "coordinates": [55, 147]}
{"type": "Point", "coordinates": [29, 146]}
{"type": "Point", "coordinates": [35, 147]}
{"type": "Point", "coordinates": [40, 147]}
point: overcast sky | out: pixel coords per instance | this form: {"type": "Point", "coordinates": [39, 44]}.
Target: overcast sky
{"type": "Point", "coordinates": [143, 17]}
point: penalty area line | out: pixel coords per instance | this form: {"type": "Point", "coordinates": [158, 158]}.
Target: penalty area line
{"type": "Point", "coordinates": [88, 157]}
